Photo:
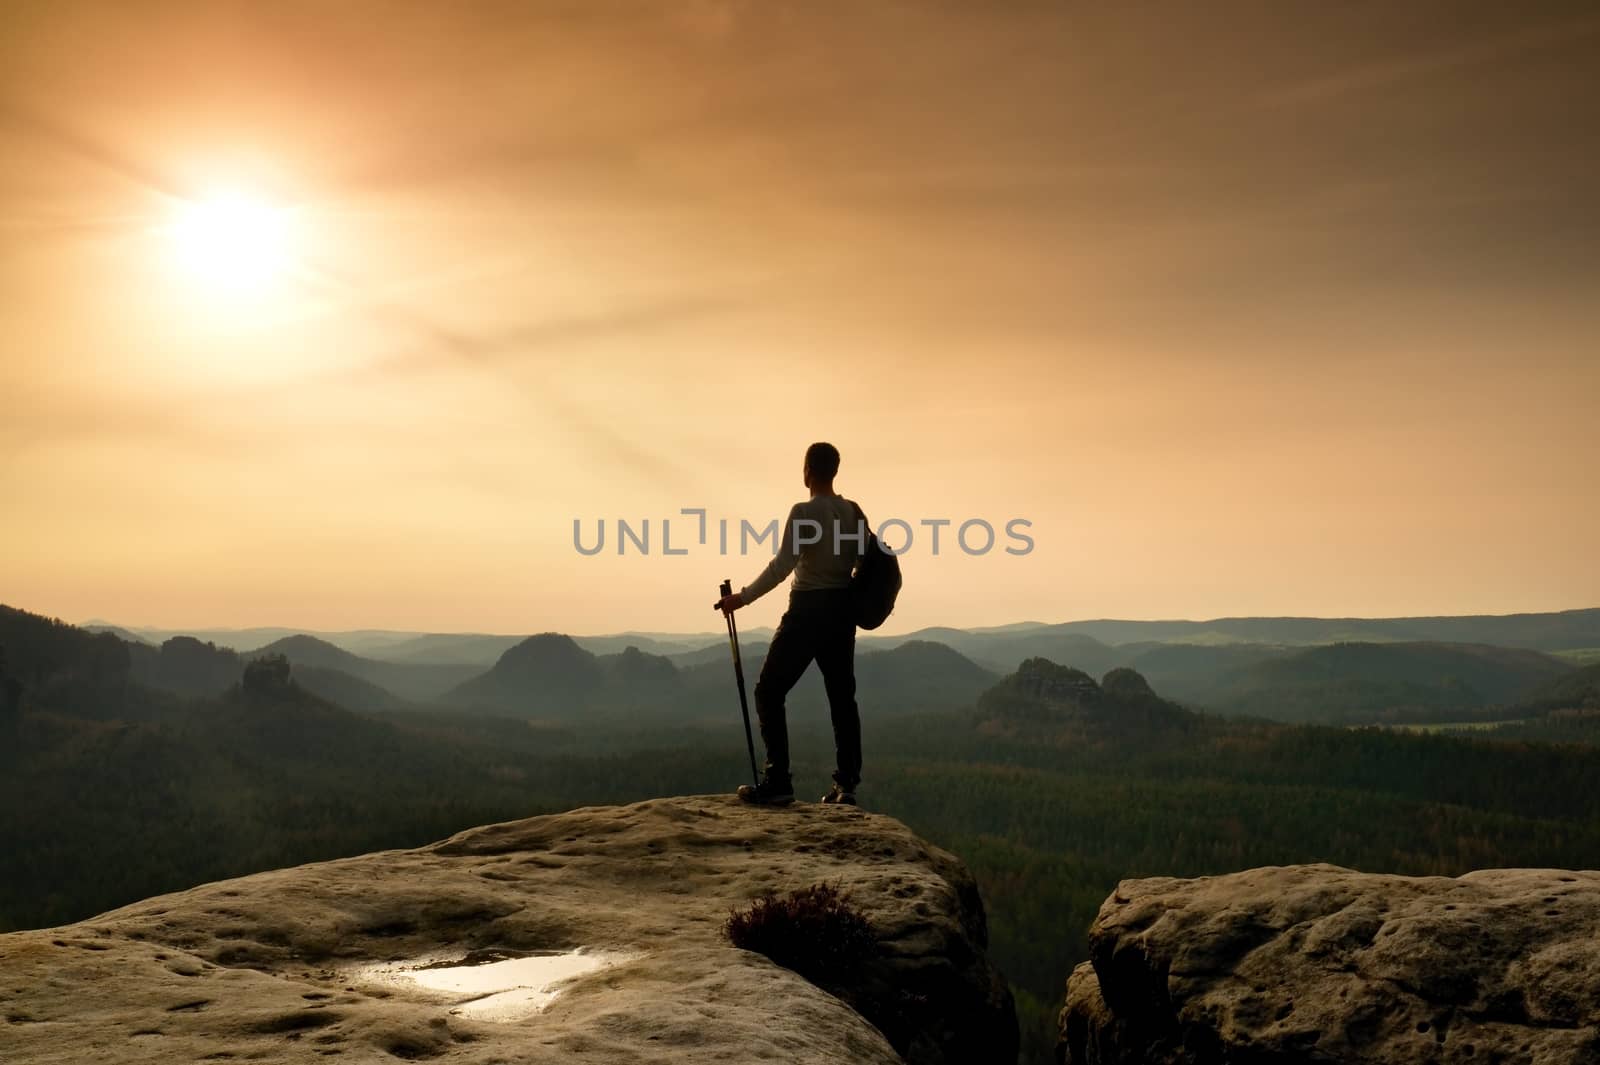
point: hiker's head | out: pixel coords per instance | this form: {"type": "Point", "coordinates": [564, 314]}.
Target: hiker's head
{"type": "Point", "coordinates": [822, 463]}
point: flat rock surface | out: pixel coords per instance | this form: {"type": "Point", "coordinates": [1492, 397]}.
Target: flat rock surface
{"type": "Point", "coordinates": [274, 966]}
{"type": "Point", "coordinates": [1315, 963]}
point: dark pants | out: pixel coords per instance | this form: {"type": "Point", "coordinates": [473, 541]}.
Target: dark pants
{"type": "Point", "coordinates": [818, 625]}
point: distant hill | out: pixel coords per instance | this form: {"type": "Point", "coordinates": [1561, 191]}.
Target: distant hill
{"type": "Point", "coordinates": [185, 666]}
{"type": "Point", "coordinates": [1564, 710]}
{"type": "Point", "coordinates": [1367, 683]}
{"type": "Point", "coordinates": [464, 648]}
{"type": "Point", "coordinates": [1554, 631]}
{"type": "Point", "coordinates": [633, 671]}
{"type": "Point", "coordinates": [1015, 626]}
{"type": "Point", "coordinates": [657, 643]}
{"type": "Point", "coordinates": [551, 677]}
{"type": "Point", "coordinates": [910, 678]}
{"type": "Point", "coordinates": [547, 675]}
{"type": "Point", "coordinates": [41, 649]}
{"type": "Point", "coordinates": [750, 648]}
{"type": "Point", "coordinates": [238, 639]}
{"type": "Point", "coordinates": [1190, 672]}
{"type": "Point", "coordinates": [411, 681]}
{"type": "Point", "coordinates": [1577, 690]}
{"type": "Point", "coordinates": [1061, 704]}
{"type": "Point", "coordinates": [305, 650]}
{"type": "Point", "coordinates": [48, 662]}
{"type": "Point", "coordinates": [348, 691]}
{"type": "Point", "coordinates": [1003, 649]}
{"type": "Point", "coordinates": [120, 633]}
{"type": "Point", "coordinates": [917, 676]}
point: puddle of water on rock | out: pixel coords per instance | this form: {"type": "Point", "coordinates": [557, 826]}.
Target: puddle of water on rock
{"type": "Point", "coordinates": [498, 990]}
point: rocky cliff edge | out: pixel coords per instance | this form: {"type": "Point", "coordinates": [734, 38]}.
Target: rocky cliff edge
{"type": "Point", "coordinates": [323, 960]}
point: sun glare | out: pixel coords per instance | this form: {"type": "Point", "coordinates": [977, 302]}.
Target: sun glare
{"type": "Point", "coordinates": [232, 240]}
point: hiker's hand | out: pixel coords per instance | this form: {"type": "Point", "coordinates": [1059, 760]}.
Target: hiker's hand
{"type": "Point", "coordinates": [729, 603]}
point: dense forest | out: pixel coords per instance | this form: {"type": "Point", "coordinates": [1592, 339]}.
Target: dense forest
{"type": "Point", "coordinates": [1050, 784]}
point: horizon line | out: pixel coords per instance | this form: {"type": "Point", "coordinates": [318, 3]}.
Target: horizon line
{"type": "Point", "coordinates": [712, 632]}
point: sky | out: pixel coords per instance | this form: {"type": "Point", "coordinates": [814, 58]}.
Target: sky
{"type": "Point", "coordinates": [1245, 308]}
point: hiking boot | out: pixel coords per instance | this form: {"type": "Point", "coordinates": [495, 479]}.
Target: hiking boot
{"type": "Point", "coordinates": [839, 796]}
{"type": "Point", "coordinates": [769, 792]}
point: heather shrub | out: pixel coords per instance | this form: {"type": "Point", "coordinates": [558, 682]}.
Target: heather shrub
{"type": "Point", "coordinates": [815, 931]}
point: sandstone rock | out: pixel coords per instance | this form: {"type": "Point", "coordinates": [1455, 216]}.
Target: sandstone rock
{"type": "Point", "coordinates": [1316, 963]}
{"type": "Point", "coordinates": [1124, 683]}
{"type": "Point", "coordinates": [271, 966]}
{"type": "Point", "coordinates": [1043, 679]}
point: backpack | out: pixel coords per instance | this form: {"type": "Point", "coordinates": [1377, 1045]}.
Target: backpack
{"type": "Point", "coordinates": [876, 581]}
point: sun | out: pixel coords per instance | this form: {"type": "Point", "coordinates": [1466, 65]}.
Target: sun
{"type": "Point", "coordinates": [232, 240]}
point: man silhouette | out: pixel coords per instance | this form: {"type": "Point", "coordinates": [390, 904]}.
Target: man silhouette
{"type": "Point", "coordinates": [821, 541]}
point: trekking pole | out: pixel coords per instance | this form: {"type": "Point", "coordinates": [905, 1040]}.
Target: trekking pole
{"type": "Point", "coordinates": [738, 675]}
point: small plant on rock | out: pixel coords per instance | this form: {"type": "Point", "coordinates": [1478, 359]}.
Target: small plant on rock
{"type": "Point", "coordinates": [815, 931]}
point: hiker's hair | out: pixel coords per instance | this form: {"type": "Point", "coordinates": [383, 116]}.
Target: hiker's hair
{"type": "Point", "coordinates": [822, 460]}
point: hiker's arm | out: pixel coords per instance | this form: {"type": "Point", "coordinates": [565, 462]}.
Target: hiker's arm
{"type": "Point", "coordinates": [781, 566]}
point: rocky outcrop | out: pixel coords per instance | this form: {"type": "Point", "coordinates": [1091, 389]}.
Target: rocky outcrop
{"type": "Point", "coordinates": [282, 966]}
{"type": "Point", "coordinates": [1058, 702]}
{"type": "Point", "coordinates": [1042, 679]}
{"type": "Point", "coordinates": [1316, 963]}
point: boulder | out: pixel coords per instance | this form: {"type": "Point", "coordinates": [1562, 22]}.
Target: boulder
{"type": "Point", "coordinates": [1315, 963]}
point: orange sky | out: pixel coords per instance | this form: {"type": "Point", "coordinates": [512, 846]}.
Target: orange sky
{"type": "Point", "coordinates": [1249, 308]}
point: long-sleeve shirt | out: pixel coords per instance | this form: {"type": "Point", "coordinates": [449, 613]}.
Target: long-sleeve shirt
{"type": "Point", "coordinates": [821, 540]}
